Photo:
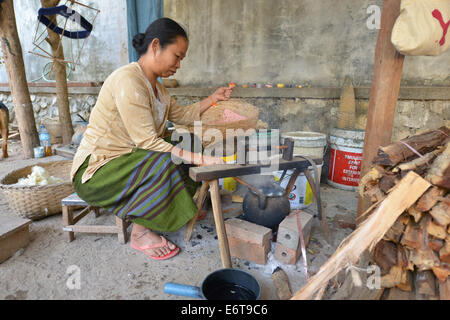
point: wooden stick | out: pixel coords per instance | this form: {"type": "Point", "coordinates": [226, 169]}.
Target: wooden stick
{"type": "Point", "coordinates": [220, 227]}
{"type": "Point", "coordinates": [369, 233]}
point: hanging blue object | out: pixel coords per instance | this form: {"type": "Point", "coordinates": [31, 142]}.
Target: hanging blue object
{"type": "Point", "coordinates": [68, 13]}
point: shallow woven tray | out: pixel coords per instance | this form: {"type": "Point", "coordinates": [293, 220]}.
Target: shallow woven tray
{"type": "Point", "coordinates": [37, 202]}
{"type": "Point", "coordinates": [212, 115]}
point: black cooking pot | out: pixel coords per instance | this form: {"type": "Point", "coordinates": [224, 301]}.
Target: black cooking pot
{"type": "Point", "coordinates": [268, 207]}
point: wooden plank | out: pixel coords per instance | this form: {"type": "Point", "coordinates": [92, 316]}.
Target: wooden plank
{"type": "Point", "coordinates": [384, 92]}
{"type": "Point", "coordinates": [92, 229]}
{"type": "Point", "coordinates": [206, 173]}
{"type": "Point", "coordinates": [369, 233]}
{"type": "Point", "coordinates": [9, 225]}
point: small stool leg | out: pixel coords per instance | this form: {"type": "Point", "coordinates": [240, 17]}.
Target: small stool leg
{"type": "Point", "coordinates": [122, 230]}
{"type": "Point", "coordinates": [220, 226]}
{"type": "Point", "coordinates": [67, 213]}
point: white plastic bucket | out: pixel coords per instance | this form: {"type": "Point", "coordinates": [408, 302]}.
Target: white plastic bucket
{"type": "Point", "coordinates": [301, 196]}
{"type": "Point", "coordinates": [346, 152]}
{"type": "Point", "coordinates": [310, 144]}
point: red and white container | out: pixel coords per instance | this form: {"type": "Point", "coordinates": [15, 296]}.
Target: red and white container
{"type": "Point", "coordinates": [345, 158]}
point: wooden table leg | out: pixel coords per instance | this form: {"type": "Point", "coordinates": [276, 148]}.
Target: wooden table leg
{"type": "Point", "coordinates": [67, 215]}
{"type": "Point", "coordinates": [122, 226]}
{"type": "Point", "coordinates": [220, 226]}
{"type": "Point", "coordinates": [200, 200]}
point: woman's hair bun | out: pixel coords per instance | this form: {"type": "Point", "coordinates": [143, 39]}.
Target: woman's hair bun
{"type": "Point", "coordinates": [138, 41]}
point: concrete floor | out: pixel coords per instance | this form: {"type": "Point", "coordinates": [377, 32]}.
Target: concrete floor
{"type": "Point", "coordinates": [110, 270]}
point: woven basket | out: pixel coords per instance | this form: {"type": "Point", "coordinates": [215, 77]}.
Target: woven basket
{"type": "Point", "coordinates": [37, 202]}
{"type": "Point", "coordinates": [214, 114]}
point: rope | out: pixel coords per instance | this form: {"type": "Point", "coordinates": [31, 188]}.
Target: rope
{"type": "Point", "coordinates": [415, 151]}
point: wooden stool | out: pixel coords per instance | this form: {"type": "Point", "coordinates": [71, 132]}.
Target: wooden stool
{"type": "Point", "coordinates": [70, 203]}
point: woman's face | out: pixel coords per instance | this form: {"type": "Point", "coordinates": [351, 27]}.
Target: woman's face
{"type": "Point", "coordinates": [165, 62]}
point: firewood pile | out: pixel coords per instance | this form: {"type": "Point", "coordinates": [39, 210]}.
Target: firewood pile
{"type": "Point", "coordinates": [414, 254]}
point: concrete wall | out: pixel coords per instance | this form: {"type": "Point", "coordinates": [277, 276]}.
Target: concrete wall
{"type": "Point", "coordinates": [105, 50]}
{"type": "Point", "coordinates": [290, 41]}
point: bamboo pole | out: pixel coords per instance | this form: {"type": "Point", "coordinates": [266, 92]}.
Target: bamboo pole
{"type": "Point", "coordinates": [15, 68]}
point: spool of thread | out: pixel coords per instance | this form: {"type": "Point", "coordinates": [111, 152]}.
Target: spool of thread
{"type": "Point", "coordinates": [280, 85]}
{"type": "Point", "coordinates": [232, 85]}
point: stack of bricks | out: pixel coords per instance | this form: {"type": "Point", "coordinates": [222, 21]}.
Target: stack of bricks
{"type": "Point", "coordinates": [288, 245]}
{"type": "Point", "coordinates": [248, 241]}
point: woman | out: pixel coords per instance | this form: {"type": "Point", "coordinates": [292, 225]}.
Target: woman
{"type": "Point", "coordinates": [123, 164]}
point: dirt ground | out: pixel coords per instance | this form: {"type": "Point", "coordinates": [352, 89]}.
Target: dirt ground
{"type": "Point", "coordinates": [109, 270]}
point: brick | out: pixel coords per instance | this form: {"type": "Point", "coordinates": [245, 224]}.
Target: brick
{"type": "Point", "coordinates": [288, 234]}
{"type": "Point", "coordinates": [14, 235]}
{"type": "Point", "coordinates": [286, 255]}
{"type": "Point", "coordinates": [247, 231]}
{"type": "Point", "coordinates": [248, 241]}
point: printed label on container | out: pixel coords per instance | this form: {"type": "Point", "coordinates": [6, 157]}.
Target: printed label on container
{"type": "Point", "coordinates": [345, 167]}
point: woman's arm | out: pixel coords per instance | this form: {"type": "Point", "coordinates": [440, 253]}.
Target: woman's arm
{"type": "Point", "coordinates": [221, 94]}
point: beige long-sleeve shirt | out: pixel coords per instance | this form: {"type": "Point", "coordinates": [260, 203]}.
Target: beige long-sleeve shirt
{"type": "Point", "coordinates": [125, 117]}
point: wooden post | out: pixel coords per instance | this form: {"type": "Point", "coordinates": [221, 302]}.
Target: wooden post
{"type": "Point", "coordinates": [384, 92]}
{"type": "Point", "coordinates": [12, 52]}
{"type": "Point", "coordinates": [59, 68]}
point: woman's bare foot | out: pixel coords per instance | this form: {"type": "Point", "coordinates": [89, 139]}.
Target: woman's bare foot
{"type": "Point", "coordinates": [142, 237]}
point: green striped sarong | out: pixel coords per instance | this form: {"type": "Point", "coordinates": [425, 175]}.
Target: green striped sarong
{"type": "Point", "coordinates": [145, 186]}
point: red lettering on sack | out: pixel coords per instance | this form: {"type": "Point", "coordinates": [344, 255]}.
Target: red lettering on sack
{"type": "Point", "coordinates": [438, 15]}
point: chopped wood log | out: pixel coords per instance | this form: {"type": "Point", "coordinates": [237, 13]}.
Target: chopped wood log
{"type": "Point", "coordinates": [385, 255]}
{"type": "Point", "coordinates": [424, 259]}
{"type": "Point", "coordinates": [370, 177]}
{"type": "Point", "coordinates": [429, 199]}
{"type": "Point", "coordinates": [407, 281]}
{"type": "Point", "coordinates": [444, 253]}
{"type": "Point", "coordinates": [412, 236]}
{"type": "Point", "coordinates": [444, 290]}
{"type": "Point", "coordinates": [393, 278]}
{"type": "Point", "coordinates": [441, 213]}
{"type": "Point", "coordinates": [281, 282]}
{"type": "Point", "coordinates": [369, 232]}
{"type": "Point", "coordinates": [395, 233]}
{"type": "Point", "coordinates": [387, 182]}
{"type": "Point", "coordinates": [416, 214]}
{"type": "Point", "coordinates": [397, 294]}
{"type": "Point", "coordinates": [402, 257]}
{"type": "Point", "coordinates": [441, 272]}
{"type": "Point", "coordinates": [435, 244]}
{"type": "Point", "coordinates": [439, 173]}
{"type": "Point", "coordinates": [423, 143]}
{"type": "Point", "coordinates": [425, 283]}
{"type": "Point", "coordinates": [419, 162]}
{"type": "Point", "coordinates": [374, 193]}
{"type": "Point", "coordinates": [436, 230]}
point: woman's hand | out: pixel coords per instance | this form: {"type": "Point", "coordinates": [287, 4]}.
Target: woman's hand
{"type": "Point", "coordinates": [222, 94]}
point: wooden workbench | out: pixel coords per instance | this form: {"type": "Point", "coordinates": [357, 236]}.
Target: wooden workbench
{"type": "Point", "coordinates": [210, 176]}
